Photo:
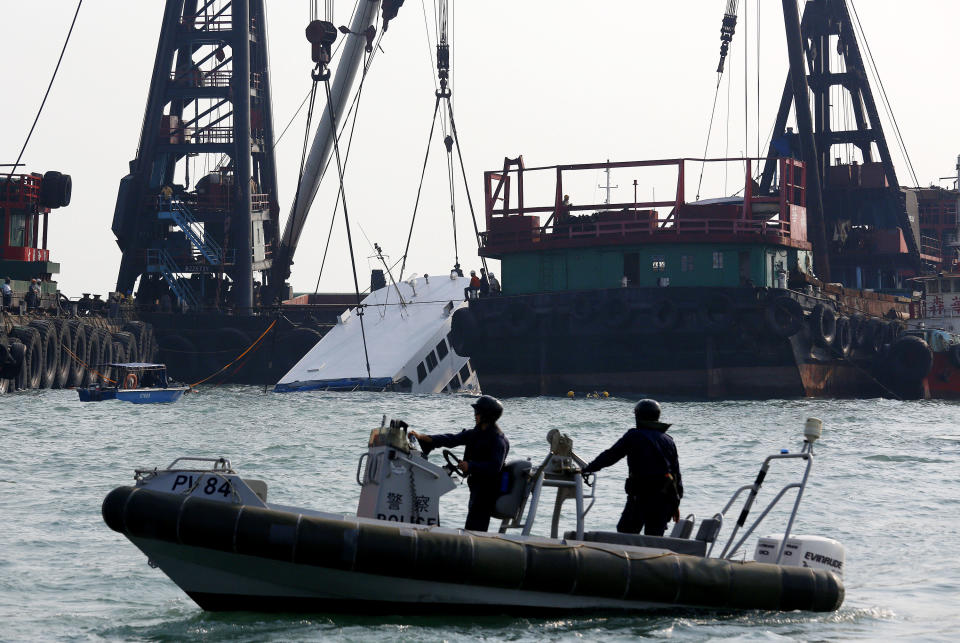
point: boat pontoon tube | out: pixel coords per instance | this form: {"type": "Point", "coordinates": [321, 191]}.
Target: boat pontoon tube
{"type": "Point", "coordinates": [491, 561]}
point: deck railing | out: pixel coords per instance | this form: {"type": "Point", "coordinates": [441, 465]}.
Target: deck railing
{"type": "Point", "coordinates": [514, 221]}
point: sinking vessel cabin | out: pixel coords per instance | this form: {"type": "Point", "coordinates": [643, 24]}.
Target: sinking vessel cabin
{"type": "Point", "coordinates": [400, 344]}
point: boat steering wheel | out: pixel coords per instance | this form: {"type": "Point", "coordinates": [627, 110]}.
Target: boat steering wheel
{"type": "Point", "coordinates": [453, 463]}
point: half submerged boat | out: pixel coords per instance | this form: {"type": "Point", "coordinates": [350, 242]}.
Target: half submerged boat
{"type": "Point", "coordinates": [137, 382]}
{"type": "Point", "coordinates": [403, 339]}
{"type": "Point", "coordinates": [216, 536]}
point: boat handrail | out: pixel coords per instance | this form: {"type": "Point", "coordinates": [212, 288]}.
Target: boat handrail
{"type": "Point", "coordinates": [223, 463]}
{"type": "Point", "coordinates": [730, 548]}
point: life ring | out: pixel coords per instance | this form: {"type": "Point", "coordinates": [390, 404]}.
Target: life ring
{"type": "Point", "coordinates": [717, 313]}
{"type": "Point", "coordinates": [823, 325]}
{"type": "Point", "coordinates": [843, 340]}
{"type": "Point", "coordinates": [131, 381]}
{"type": "Point", "coordinates": [665, 314]}
{"type": "Point", "coordinates": [784, 316]}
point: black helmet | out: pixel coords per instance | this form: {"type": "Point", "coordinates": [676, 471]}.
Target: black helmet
{"type": "Point", "coordinates": [489, 408]}
{"type": "Point", "coordinates": [648, 410]}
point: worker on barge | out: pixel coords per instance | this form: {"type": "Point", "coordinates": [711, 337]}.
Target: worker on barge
{"type": "Point", "coordinates": [654, 487]}
{"type": "Point", "coordinates": [483, 458]}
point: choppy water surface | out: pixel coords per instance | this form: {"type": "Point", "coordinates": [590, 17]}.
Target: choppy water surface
{"type": "Point", "coordinates": [885, 484]}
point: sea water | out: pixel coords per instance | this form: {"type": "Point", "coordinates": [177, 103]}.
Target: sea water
{"type": "Point", "coordinates": [885, 483]}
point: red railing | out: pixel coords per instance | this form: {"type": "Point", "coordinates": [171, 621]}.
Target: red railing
{"type": "Point", "coordinates": [513, 222]}
{"type": "Point", "coordinates": [20, 190]}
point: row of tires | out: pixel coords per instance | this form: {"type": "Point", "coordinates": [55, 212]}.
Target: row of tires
{"type": "Point", "coordinates": [905, 359]}
{"type": "Point", "coordinates": [514, 316]}
{"type": "Point", "coordinates": [716, 314]}
{"type": "Point", "coordinates": [785, 318]}
{"type": "Point", "coordinates": [65, 353]}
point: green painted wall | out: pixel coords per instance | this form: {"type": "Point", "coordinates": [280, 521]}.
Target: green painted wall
{"type": "Point", "coordinates": [682, 265]}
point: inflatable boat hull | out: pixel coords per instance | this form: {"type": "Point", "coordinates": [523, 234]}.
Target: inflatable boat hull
{"type": "Point", "coordinates": [238, 557]}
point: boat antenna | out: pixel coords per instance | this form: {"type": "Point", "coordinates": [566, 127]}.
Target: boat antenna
{"type": "Point", "coordinates": [379, 251]}
{"type": "Point", "coordinates": [608, 187]}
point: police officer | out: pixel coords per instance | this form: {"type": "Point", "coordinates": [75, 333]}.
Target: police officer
{"type": "Point", "coordinates": [654, 488]}
{"type": "Point", "coordinates": [483, 458]}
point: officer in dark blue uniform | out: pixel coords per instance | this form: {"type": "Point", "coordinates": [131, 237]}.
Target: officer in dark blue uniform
{"type": "Point", "coordinates": [654, 488]}
{"type": "Point", "coordinates": [483, 458]}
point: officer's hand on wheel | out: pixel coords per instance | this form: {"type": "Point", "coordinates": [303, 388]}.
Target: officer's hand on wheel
{"type": "Point", "coordinates": [462, 465]}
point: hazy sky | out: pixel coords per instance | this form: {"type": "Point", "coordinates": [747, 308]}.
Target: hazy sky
{"type": "Point", "coordinates": [559, 81]}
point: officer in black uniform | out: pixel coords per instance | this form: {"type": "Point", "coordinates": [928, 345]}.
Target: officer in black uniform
{"type": "Point", "coordinates": [654, 488]}
{"type": "Point", "coordinates": [486, 450]}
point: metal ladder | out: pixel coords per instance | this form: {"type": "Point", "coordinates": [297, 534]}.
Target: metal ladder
{"type": "Point", "coordinates": [180, 214]}
{"type": "Point", "coordinates": [161, 260]}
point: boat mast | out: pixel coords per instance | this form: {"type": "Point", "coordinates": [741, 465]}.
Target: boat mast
{"type": "Point", "coordinates": [322, 146]}
{"type": "Point", "coordinates": [608, 187]}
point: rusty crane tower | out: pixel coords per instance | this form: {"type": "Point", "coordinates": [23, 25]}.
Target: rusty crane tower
{"type": "Point", "coordinates": [197, 215]}
{"type": "Point", "coordinates": [858, 222]}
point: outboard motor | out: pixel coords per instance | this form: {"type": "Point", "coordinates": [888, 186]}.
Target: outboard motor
{"type": "Point", "coordinates": [398, 484]}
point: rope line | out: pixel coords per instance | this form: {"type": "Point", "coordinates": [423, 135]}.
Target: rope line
{"type": "Point", "coordinates": [85, 365]}
{"type": "Point", "coordinates": [262, 335]}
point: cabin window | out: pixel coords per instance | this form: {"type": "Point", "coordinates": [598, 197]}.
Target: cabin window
{"type": "Point", "coordinates": [465, 372]}
{"type": "Point", "coordinates": [454, 384]}
{"type": "Point", "coordinates": [933, 287]}
{"type": "Point", "coordinates": [718, 261]}
{"type": "Point", "coordinates": [686, 263]}
{"type": "Point", "coordinates": [948, 286]}
{"type": "Point", "coordinates": [18, 227]}
{"type": "Point", "coordinates": [442, 350]}
{"type": "Point", "coordinates": [658, 263]}
{"type": "Point", "coordinates": [432, 360]}
{"type": "Point", "coordinates": [421, 372]}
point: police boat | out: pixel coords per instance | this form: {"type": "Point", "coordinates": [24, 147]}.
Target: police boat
{"type": "Point", "coordinates": [136, 382]}
{"type": "Point", "coordinates": [218, 538]}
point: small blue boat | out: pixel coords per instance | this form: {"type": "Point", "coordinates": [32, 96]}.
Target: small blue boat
{"type": "Point", "coordinates": [136, 382]}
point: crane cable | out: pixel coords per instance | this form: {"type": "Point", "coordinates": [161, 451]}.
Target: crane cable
{"type": "Point", "coordinates": [46, 94]}
{"type": "Point", "coordinates": [355, 110]}
{"type": "Point", "coordinates": [423, 173]}
{"type": "Point", "coordinates": [346, 219]}
{"type": "Point", "coordinates": [883, 95]}
{"type": "Point", "coordinates": [445, 95]}
{"type": "Point", "coordinates": [727, 31]}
